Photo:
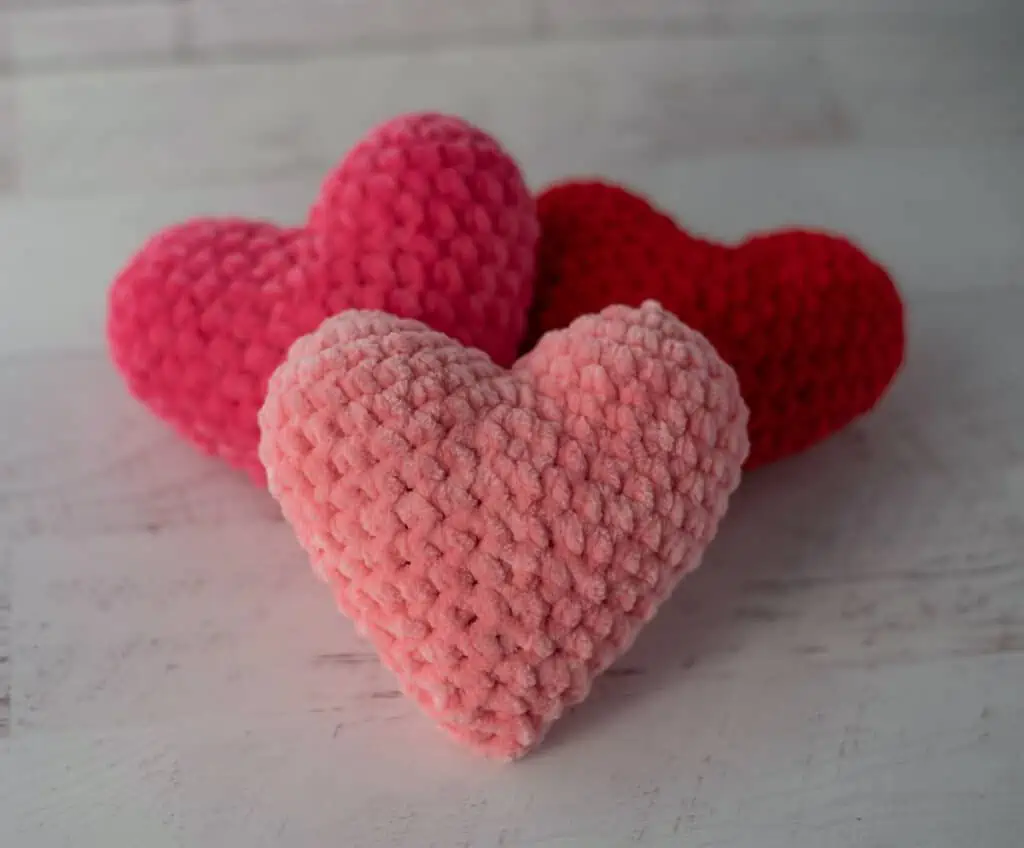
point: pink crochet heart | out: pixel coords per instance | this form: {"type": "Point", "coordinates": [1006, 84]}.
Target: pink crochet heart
{"type": "Point", "coordinates": [427, 217]}
{"type": "Point", "coordinates": [501, 536]}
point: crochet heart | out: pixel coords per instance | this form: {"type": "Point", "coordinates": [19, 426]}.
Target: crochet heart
{"type": "Point", "coordinates": [500, 536]}
{"type": "Point", "coordinates": [812, 325]}
{"type": "Point", "coordinates": [427, 217]}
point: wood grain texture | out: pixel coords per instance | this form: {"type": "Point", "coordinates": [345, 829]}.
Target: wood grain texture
{"type": "Point", "coordinates": [914, 14]}
{"type": "Point", "coordinates": [787, 12]}
{"type": "Point", "coordinates": [231, 26]}
{"type": "Point", "coordinates": [209, 617]}
{"type": "Point", "coordinates": [845, 670]}
{"type": "Point", "coordinates": [961, 86]}
{"type": "Point", "coordinates": [61, 485]}
{"type": "Point", "coordinates": [49, 34]}
{"type": "Point", "coordinates": [942, 218]}
{"type": "Point", "coordinates": [82, 35]}
{"type": "Point", "coordinates": [5, 641]}
{"type": "Point", "coordinates": [96, 236]}
{"type": "Point", "coordinates": [71, 5]}
{"type": "Point", "coordinates": [623, 99]}
{"type": "Point", "coordinates": [732, 777]}
{"type": "Point", "coordinates": [8, 138]}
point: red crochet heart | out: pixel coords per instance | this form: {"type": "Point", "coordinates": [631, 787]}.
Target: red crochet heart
{"type": "Point", "coordinates": [427, 217]}
{"type": "Point", "coordinates": [812, 325]}
{"type": "Point", "coordinates": [501, 536]}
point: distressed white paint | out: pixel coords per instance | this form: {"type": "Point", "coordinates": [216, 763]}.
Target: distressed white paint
{"type": "Point", "coordinates": [579, 104]}
{"type": "Point", "coordinates": [92, 34]}
{"type": "Point", "coordinates": [8, 139]}
{"type": "Point", "coordinates": [69, 250]}
{"type": "Point", "coordinates": [846, 670]}
{"type": "Point", "coordinates": [962, 85]}
{"type": "Point", "coordinates": [897, 202]}
{"type": "Point", "coordinates": [236, 122]}
{"type": "Point", "coordinates": [219, 26]}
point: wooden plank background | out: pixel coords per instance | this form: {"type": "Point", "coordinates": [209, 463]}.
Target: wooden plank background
{"type": "Point", "coordinates": [848, 667]}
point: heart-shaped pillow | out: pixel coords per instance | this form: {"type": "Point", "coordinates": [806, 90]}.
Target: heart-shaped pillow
{"type": "Point", "coordinates": [812, 325]}
{"type": "Point", "coordinates": [499, 535]}
{"type": "Point", "coordinates": [427, 217]}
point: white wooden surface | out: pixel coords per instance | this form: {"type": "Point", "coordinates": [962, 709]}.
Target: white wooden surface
{"type": "Point", "coordinates": [848, 667]}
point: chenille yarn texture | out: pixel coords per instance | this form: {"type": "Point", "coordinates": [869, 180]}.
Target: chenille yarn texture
{"type": "Point", "coordinates": [813, 326]}
{"type": "Point", "coordinates": [427, 217]}
{"type": "Point", "coordinates": [500, 536]}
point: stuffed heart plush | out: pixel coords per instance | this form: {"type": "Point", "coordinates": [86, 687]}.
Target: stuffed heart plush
{"type": "Point", "coordinates": [499, 535]}
{"type": "Point", "coordinates": [813, 326]}
{"type": "Point", "coordinates": [427, 217]}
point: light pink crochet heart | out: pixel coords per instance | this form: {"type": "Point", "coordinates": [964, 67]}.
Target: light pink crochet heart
{"type": "Point", "coordinates": [501, 536]}
{"type": "Point", "coordinates": [427, 217]}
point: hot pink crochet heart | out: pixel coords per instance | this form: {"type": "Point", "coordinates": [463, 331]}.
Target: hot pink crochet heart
{"type": "Point", "coordinates": [499, 535]}
{"type": "Point", "coordinates": [427, 217]}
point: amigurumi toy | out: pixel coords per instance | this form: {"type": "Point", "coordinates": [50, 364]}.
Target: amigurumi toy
{"type": "Point", "coordinates": [427, 218]}
{"type": "Point", "coordinates": [501, 535]}
{"type": "Point", "coordinates": [813, 326]}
